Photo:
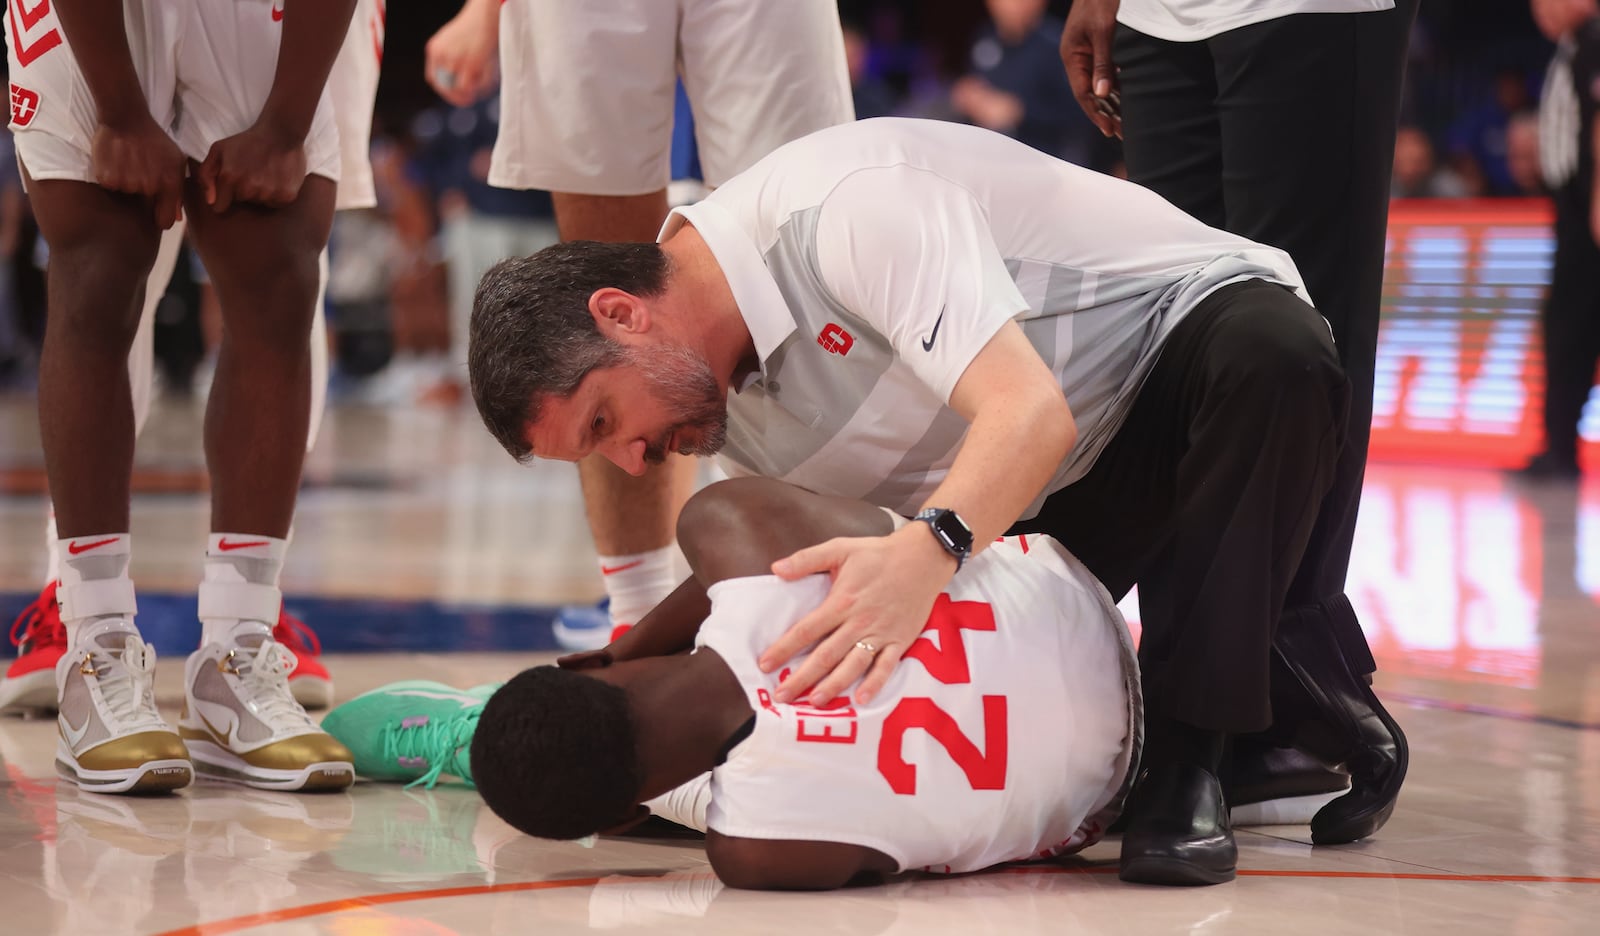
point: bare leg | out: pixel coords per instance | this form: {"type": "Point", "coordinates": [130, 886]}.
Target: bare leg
{"type": "Point", "coordinates": [101, 247]}
{"type": "Point", "coordinates": [626, 514]}
{"type": "Point", "coordinates": [263, 265]}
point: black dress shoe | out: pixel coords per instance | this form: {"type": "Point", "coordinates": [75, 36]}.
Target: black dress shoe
{"type": "Point", "coordinates": [1262, 773]}
{"type": "Point", "coordinates": [1351, 727]}
{"type": "Point", "coordinates": [1178, 832]}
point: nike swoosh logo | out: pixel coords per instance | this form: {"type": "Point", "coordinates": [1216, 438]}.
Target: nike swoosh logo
{"type": "Point", "coordinates": [226, 736]}
{"type": "Point", "coordinates": [226, 546]}
{"type": "Point", "coordinates": [927, 343]}
{"type": "Point", "coordinates": [80, 548]}
{"type": "Point", "coordinates": [613, 570]}
{"type": "Point", "coordinates": [71, 734]}
{"type": "Point", "coordinates": [277, 14]}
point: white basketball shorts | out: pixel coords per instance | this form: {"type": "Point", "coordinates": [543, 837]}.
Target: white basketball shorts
{"type": "Point", "coordinates": [205, 67]}
{"type": "Point", "coordinates": [586, 87]}
{"type": "Point", "coordinates": [352, 87]}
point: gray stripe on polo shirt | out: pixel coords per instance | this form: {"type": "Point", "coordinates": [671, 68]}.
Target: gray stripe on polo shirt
{"type": "Point", "coordinates": [829, 388]}
{"type": "Point", "coordinates": [943, 435]}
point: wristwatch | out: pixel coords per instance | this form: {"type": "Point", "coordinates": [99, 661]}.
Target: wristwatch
{"type": "Point", "coordinates": [951, 531]}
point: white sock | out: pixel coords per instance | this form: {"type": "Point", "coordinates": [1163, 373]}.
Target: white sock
{"type": "Point", "coordinates": [637, 583]}
{"type": "Point", "coordinates": [52, 568]}
{"type": "Point", "coordinates": [96, 594]}
{"type": "Point", "coordinates": [239, 596]}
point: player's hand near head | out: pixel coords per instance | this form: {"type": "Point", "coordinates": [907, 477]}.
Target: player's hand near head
{"type": "Point", "coordinates": [1086, 52]}
{"type": "Point", "coordinates": [463, 56]}
{"type": "Point", "coordinates": [262, 166]}
{"type": "Point", "coordinates": [136, 156]}
{"type": "Point", "coordinates": [883, 589]}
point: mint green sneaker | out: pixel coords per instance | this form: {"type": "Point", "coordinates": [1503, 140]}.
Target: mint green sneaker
{"type": "Point", "coordinates": [413, 731]}
{"type": "Point", "coordinates": [485, 691]}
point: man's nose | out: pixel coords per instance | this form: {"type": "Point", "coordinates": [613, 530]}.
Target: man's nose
{"type": "Point", "coordinates": [629, 458]}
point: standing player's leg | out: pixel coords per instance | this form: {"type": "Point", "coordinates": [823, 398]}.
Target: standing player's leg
{"type": "Point", "coordinates": [29, 683]}
{"type": "Point", "coordinates": [102, 247]}
{"type": "Point", "coordinates": [352, 89]}
{"type": "Point", "coordinates": [240, 720]}
{"type": "Point", "coordinates": [264, 266]}
{"type": "Point", "coordinates": [632, 519]}
{"type": "Point", "coordinates": [606, 153]}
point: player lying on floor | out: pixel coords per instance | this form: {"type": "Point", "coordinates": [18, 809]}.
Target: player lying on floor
{"type": "Point", "coordinates": [1011, 736]}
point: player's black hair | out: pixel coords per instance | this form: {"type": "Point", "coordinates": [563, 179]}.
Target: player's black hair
{"type": "Point", "coordinates": [532, 335]}
{"type": "Point", "coordinates": [555, 756]}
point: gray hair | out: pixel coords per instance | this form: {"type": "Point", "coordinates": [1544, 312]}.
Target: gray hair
{"type": "Point", "coordinates": [533, 336]}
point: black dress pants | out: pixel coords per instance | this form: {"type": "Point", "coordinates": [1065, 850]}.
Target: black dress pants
{"type": "Point", "coordinates": [1571, 323]}
{"type": "Point", "coordinates": [1207, 496]}
{"type": "Point", "coordinates": [1283, 132]}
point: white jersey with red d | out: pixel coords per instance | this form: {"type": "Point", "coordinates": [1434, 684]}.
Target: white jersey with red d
{"type": "Point", "coordinates": [1007, 733]}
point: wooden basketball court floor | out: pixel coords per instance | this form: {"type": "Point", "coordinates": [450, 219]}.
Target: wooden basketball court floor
{"type": "Point", "coordinates": [422, 551]}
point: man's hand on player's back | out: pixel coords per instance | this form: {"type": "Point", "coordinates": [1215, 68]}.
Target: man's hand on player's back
{"type": "Point", "coordinates": [260, 165]}
{"type": "Point", "coordinates": [138, 157]}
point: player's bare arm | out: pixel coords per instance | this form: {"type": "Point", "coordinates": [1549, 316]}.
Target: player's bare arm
{"type": "Point", "coordinates": [777, 864]}
{"type": "Point", "coordinates": [733, 533]}
{"type": "Point", "coordinates": [266, 164]}
{"type": "Point", "coordinates": [131, 153]}
{"type": "Point", "coordinates": [1021, 430]}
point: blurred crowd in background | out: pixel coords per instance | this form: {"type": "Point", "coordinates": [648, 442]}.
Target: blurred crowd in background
{"type": "Point", "coordinates": [402, 274]}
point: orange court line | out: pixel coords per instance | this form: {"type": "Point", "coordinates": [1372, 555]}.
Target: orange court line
{"type": "Point", "coordinates": [236, 924]}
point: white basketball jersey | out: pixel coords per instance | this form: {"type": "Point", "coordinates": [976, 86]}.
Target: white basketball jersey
{"type": "Point", "coordinates": [1007, 732]}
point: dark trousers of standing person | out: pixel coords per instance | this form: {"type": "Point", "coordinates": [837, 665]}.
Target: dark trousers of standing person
{"type": "Point", "coordinates": [1571, 318]}
{"type": "Point", "coordinates": [1283, 132]}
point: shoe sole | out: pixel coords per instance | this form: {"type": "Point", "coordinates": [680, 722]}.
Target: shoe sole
{"type": "Point", "coordinates": [1170, 872]}
{"type": "Point", "coordinates": [159, 776]}
{"type": "Point", "coordinates": [312, 692]}
{"type": "Point", "coordinates": [216, 763]}
{"type": "Point", "coordinates": [1289, 810]}
{"type": "Point", "coordinates": [34, 693]}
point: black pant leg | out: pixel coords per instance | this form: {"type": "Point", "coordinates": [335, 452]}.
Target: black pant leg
{"type": "Point", "coordinates": [1571, 318]}
{"type": "Point", "coordinates": [1171, 140]}
{"type": "Point", "coordinates": [1206, 498]}
{"type": "Point", "coordinates": [1308, 106]}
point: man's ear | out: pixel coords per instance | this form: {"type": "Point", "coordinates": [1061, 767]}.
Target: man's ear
{"type": "Point", "coordinates": [619, 313]}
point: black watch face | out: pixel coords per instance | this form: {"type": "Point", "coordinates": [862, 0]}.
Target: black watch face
{"type": "Point", "coordinates": [953, 531]}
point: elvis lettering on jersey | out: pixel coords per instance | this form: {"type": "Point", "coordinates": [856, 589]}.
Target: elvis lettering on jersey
{"type": "Point", "coordinates": [1007, 733]}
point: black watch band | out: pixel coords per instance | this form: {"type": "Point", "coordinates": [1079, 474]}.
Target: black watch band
{"type": "Point", "coordinates": [951, 531]}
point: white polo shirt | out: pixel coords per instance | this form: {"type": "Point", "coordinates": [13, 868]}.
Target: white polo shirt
{"type": "Point", "coordinates": [1194, 20]}
{"type": "Point", "coordinates": [873, 261]}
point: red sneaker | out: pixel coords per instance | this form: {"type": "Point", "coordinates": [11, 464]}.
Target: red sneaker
{"type": "Point", "coordinates": [30, 683]}
{"type": "Point", "coordinates": [310, 682]}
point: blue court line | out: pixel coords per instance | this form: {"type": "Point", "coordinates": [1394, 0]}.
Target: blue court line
{"type": "Point", "coordinates": [348, 625]}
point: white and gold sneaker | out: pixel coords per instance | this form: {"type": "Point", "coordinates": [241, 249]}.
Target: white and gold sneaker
{"type": "Point", "coordinates": [242, 724]}
{"type": "Point", "coordinates": [110, 737]}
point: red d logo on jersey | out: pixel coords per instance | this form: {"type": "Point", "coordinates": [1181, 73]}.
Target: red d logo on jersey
{"type": "Point", "coordinates": [836, 340]}
{"type": "Point", "coordinates": [24, 104]}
